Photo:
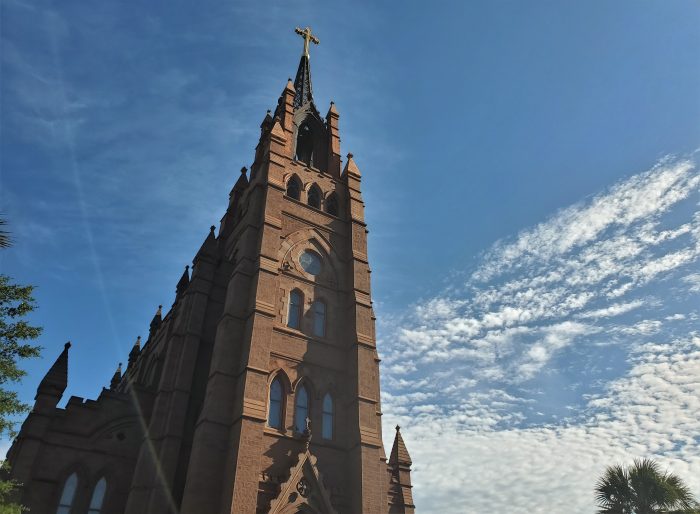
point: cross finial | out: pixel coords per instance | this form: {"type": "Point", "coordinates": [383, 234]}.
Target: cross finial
{"type": "Point", "coordinates": [308, 37]}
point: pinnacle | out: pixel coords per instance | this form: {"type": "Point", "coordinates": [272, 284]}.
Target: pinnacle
{"type": "Point", "coordinates": [399, 453]}
{"type": "Point", "coordinates": [57, 376]}
{"type": "Point", "coordinates": [351, 167]}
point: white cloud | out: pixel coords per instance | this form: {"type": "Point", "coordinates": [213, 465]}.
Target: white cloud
{"type": "Point", "coordinates": [558, 357]}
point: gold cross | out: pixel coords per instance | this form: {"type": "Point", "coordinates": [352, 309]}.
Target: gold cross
{"type": "Point", "coordinates": [308, 37]}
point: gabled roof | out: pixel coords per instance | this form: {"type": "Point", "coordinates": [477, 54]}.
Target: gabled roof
{"type": "Point", "coordinates": [303, 489]}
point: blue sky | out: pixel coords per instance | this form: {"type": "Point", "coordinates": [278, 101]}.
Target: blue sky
{"type": "Point", "coordinates": [532, 189]}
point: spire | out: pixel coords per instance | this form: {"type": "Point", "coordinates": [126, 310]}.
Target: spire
{"type": "Point", "coordinates": [55, 381]}
{"type": "Point", "coordinates": [155, 322]}
{"type": "Point", "coordinates": [135, 352]}
{"type": "Point", "coordinates": [399, 453]}
{"type": "Point", "coordinates": [183, 283]}
{"type": "Point", "coordinates": [302, 82]}
{"type": "Point", "coordinates": [116, 378]}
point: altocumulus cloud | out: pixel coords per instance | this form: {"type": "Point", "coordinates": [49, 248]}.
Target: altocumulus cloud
{"type": "Point", "coordinates": [569, 347]}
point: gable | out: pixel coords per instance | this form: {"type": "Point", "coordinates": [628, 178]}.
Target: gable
{"type": "Point", "coordinates": [303, 492]}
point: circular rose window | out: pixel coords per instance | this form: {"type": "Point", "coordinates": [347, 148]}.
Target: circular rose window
{"type": "Point", "coordinates": [311, 262]}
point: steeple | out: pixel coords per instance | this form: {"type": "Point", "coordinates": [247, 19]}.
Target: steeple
{"type": "Point", "coordinates": [302, 82]}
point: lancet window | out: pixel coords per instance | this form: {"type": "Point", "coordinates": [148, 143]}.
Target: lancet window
{"type": "Point", "coordinates": [301, 410]}
{"type": "Point", "coordinates": [314, 199]}
{"type": "Point", "coordinates": [305, 144]}
{"type": "Point", "coordinates": [65, 504]}
{"type": "Point", "coordinates": [98, 496]}
{"type": "Point", "coordinates": [274, 415]}
{"type": "Point", "coordinates": [294, 188]}
{"type": "Point", "coordinates": [296, 304]}
{"type": "Point", "coordinates": [332, 204]}
{"type": "Point", "coordinates": [318, 310]}
{"type": "Point", "coordinates": [327, 420]}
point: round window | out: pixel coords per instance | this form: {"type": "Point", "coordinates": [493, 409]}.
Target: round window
{"type": "Point", "coordinates": [311, 262]}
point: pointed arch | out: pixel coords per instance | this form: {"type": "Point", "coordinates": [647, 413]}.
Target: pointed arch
{"type": "Point", "coordinates": [314, 197]}
{"type": "Point", "coordinates": [331, 204]}
{"type": "Point", "coordinates": [302, 409]}
{"type": "Point", "coordinates": [318, 312]}
{"type": "Point", "coordinates": [98, 496]}
{"type": "Point", "coordinates": [327, 418]}
{"type": "Point", "coordinates": [275, 411]}
{"type": "Point", "coordinates": [305, 143]}
{"type": "Point", "coordinates": [67, 499]}
{"type": "Point", "coordinates": [294, 187]}
{"type": "Point", "coordinates": [296, 308]}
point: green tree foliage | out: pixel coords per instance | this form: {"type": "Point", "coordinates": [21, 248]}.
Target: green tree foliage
{"type": "Point", "coordinates": [643, 488]}
{"type": "Point", "coordinates": [16, 301]}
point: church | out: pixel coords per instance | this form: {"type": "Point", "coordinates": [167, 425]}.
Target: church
{"type": "Point", "coordinates": [258, 391]}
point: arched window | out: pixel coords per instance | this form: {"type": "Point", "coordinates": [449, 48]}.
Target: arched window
{"type": "Point", "coordinates": [319, 312]}
{"type": "Point", "coordinates": [98, 496]}
{"type": "Point", "coordinates": [301, 410]}
{"type": "Point", "coordinates": [305, 144]}
{"type": "Point", "coordinates": [314, 197]}
{"type": "Point", "coordinates": [332, 204]}
{"type": "Point", "coordinates": [327, 421]}
{"type": "Point", "coordinates": [66, 502]}
{"type": "Point", "coordinates": [274, 415]}
{"type": "Point", "coordinates": [294, 188]}
{"type": "Point", "coordinates": [296, 302]}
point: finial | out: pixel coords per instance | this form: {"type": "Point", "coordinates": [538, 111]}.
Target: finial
{"type": "Point", "coordinates": [159, 311]}
{"type": "Point", "coordinates": [187, 267]}
{"type": "Point", "coordinates": [398, 428]}
{"type": "Point", "coordinates": [350, 156]}
{"type": "Point", "coordinates": [67, 345]}
{"type": "Point", "coordinates": [119, 368]}
{"type": "Point", "coordinates": [138, 341]}
{"type": "Point", "coordinates": [244, 169]}
{"type": "Point", "coordinates": [332, 102]}
{"type": "Point", "coordinates": [212, 229]}
{"type": "Point", "coordinates": [306, 434]}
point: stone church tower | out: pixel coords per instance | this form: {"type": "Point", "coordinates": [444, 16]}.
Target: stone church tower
{"type": "Point", "coordinates": [258, 392]}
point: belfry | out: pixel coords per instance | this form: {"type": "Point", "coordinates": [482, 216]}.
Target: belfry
{"type": "Point", "coordinates": [258, 391]}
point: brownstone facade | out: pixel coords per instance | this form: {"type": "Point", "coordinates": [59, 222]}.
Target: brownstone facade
{"type": "Point", "coordinates": [259, 390]}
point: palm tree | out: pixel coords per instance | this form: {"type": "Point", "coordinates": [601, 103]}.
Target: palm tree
{"type": "Point", "coordinates": [4, 236]}
{"type": "Point", "coordinates": [643, 488]}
